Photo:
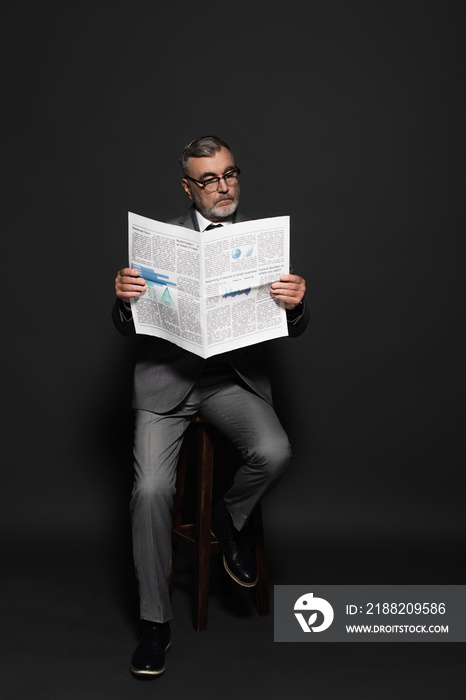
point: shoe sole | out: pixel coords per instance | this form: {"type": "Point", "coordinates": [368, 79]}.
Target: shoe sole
{"type": "Point", "coordinates": [148, 675]}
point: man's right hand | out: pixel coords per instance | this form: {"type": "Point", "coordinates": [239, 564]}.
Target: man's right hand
{"type": "Point", "coordinates": [129, 284]}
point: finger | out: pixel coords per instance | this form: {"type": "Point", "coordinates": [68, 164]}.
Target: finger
{"type": "Point", "coordinates": [137, 281]}
{"type": "Point", "coordinates": [291, 278]}
{"type": "Point", "coordinates": [288, 298]}
{"type": "Point", "coordinates": [278, 288]}
{"type": "Point", "coordinates": [285, 285]}
{"type": "Point", "coordinates": [128, 272]}
{"type": "Point", "coordinates": [127, 287]}
{"type": "Point", "coordinates": [122, 278]}
{"type": "Point", "coordinates": [290, 303]}
{"type": "Point", "coordinates": [129, 292]}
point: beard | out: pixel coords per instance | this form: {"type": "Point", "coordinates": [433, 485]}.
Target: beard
{"type": "Point", "coordinates": [218, 211]}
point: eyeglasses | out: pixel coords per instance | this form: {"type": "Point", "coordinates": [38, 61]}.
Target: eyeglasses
{"type": "Point", "coordinates": [211, 184]}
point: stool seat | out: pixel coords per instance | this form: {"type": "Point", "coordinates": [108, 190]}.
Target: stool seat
{"type": "Point", "coordinates": [197, 536]}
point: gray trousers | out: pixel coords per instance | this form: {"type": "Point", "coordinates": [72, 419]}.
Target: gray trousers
{"type": "Point", "coordinates": [248, 421]}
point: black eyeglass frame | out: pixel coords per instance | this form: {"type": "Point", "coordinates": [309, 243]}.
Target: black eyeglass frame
{"type": "Point", "coordinates": [210, 180]}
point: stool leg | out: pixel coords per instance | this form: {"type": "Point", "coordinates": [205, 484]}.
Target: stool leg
{"type": "Point", "coordinates": [262, 586]}
{"type": "Point", "coordinates": [203, 533]}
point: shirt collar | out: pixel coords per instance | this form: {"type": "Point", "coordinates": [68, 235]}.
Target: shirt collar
{"type": "Point", "coordinates": [203, 222]}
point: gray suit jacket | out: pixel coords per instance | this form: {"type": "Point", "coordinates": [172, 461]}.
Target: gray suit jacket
{"type": "Point", "coordinates": [165, 373]}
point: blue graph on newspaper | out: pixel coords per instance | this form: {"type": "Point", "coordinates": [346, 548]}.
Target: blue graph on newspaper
{"type": "Point", "coordinates": [152, 276]}
{"type": "Point", "coordinates": [156, 281]}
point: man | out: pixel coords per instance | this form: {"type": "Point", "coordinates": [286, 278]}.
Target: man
{"type": "Point", "coordinates": [231, 390]}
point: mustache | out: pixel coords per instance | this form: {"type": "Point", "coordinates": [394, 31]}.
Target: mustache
{"type": "Point", "coordinates": [225, 198]}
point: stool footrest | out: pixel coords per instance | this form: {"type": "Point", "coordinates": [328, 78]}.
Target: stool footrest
{"type": "Point", "coordinates": [185, 535]}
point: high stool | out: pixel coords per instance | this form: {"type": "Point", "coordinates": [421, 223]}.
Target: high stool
{"type": "Point", "coordinates": [197, 536]}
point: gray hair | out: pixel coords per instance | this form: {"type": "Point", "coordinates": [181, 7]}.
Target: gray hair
{"type": "Point", "coordinates": [205, 146]}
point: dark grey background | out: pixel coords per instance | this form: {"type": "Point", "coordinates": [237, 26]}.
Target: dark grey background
{"type": "Point", "coordinates": [346, 116]}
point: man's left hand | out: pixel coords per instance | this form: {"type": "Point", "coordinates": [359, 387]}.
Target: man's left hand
{"type": "Point", "coordinates": [290, 289]}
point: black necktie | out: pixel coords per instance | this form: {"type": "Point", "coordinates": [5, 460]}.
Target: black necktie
{"type": "Point", "coordinates": [211, 226]}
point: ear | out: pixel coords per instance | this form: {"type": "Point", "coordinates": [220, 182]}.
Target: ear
{"type": "Point", "coordinates": [187, 187]}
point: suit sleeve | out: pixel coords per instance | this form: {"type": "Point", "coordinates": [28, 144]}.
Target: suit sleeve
{"type": "Point", "coordinates": [298, 319]}
{"type": "Point", "coordinates": [123, 318]}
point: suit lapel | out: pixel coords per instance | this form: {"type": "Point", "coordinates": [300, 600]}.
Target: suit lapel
{"type": "Point", "coordinates": [188, 219]}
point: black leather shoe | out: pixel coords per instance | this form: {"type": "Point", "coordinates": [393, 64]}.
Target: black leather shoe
{"type": "Point", "coordinates": [238, 559]}
{"type": "Point", "coordinates": [149, 656]}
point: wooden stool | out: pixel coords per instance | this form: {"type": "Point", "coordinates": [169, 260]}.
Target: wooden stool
{"type": "Point", "coordinates": [197, 536]}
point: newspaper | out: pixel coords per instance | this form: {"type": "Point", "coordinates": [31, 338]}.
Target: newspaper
{"type": "Point", "coordinates": [209, 292]}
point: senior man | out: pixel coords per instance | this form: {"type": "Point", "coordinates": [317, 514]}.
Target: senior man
{"type": "Point", "coordinates": [231, 390]}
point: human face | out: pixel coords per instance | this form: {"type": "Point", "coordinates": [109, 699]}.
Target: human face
{"type": "Point", "coordinates": [215, 206]}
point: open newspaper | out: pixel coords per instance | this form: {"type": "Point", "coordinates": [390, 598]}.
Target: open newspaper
{"type": "Point", "coordinates": [210, 292]}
